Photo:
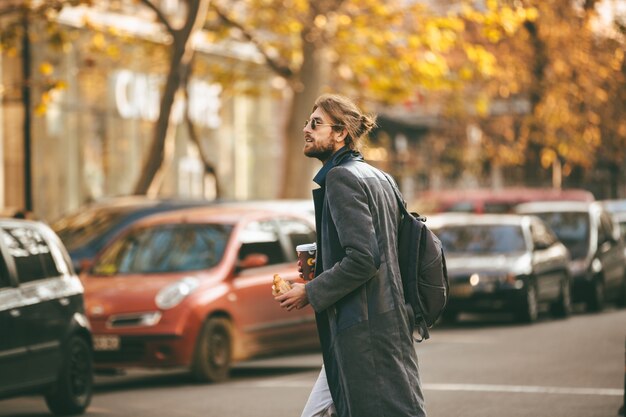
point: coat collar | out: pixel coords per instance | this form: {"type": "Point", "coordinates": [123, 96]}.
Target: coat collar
{"type": "Point", "coordinates": [343, 154]}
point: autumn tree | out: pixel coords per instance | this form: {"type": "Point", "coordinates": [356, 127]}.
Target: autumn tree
{"type": "Point", "coordinates": [16, 36]}
{"type": "Point", "coordinates": [379, 52]}
{"type": "Point", "coordinates": [177, 79]}
{"type": "Point", "coordinates": [570, 75]}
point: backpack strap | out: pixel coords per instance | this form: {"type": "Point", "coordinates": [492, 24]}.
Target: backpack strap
{"type": "Point", "coordinates": [422, 327]}
{"type": "Point", "coordinates": [400, 200]}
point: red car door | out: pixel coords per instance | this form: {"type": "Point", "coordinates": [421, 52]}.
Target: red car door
{"type": "Point", "coordinates": [261, 320]}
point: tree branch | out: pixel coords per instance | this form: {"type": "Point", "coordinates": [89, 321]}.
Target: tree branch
{"type": "Point", "coordinates": [277, 67]}
{"type": "Point", "coordinates": [193, 134]}
{"type": "Point", "coordinates": [160, 16]}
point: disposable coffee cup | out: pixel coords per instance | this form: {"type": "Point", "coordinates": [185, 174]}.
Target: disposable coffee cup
{"type": "Point", "coordinates": [306, 255]}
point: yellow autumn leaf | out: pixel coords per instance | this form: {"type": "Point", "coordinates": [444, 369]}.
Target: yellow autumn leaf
{"type": "Point", "coordinates": [601, 95]}
{"type": "Point", "coordinates": [295, 26]}
{"type": "Point", "coordinates": [548, 156]}
{"type": "Point", "coordinates": [466, 74]}
{"type": "Point", "coordinates": [320, 21]}
{"type": "Point", "coordinates": [482, 106]}
{"type": "Point", "coordinates": [594, 118]}
{"type": "Point", "coordinates": [344, 20]}
{"type": "Point", "coordinates": [40, 109]}
{"type": "Point", "coordinates": [46, 68]}
{"type": "Point", "coordinates": [531, 14]}
{"type": "Point", "coordinates": [508, 20]}
{"type": "Point", "coordinates": [113, 51]}
{"type": "Point", "coordinates": [493, 35]}
{"type": "Point", "coordinates": [98, 40]}
{"type": "Point", "coordinates": [414, 42]}
{"type": "Point", "coordinates": [621, 130]}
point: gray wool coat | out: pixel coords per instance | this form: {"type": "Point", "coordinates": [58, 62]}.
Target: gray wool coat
{"type": "Point", "coordinates": [363, 322]}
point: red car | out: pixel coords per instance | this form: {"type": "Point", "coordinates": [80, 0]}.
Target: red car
{"type": "Point", "coordinates": [192, 288]}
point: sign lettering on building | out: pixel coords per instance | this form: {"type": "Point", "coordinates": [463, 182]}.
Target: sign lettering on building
{"type": "Point", "coordinates": [137, 96]}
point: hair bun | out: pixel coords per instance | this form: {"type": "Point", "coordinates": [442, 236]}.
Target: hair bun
{"type": "Point", "coordinates": [367, 123]}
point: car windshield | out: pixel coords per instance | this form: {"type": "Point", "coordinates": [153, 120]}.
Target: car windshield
{"type": "Point", "coordinates": [80, 228]}
{"type": "Point", "coordinates": [168, 248]}
{"type": "Point", "coordinates": [482, 239]}
{"type": "Point", "coordinates": [572, 228]}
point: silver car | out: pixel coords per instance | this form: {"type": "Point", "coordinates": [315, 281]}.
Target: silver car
{"type": "Point", "coordinates": [500, 262]}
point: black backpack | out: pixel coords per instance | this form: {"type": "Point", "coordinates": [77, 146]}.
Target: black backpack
{"type": "Point", "coordinates": [422, 267]}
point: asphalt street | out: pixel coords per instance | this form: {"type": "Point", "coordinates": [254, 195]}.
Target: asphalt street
{"type": "Point", "coordinates": [481, 367]}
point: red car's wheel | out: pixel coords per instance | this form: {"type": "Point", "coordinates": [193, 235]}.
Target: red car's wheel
{"type": "Point", "coordinates": [213, 354]}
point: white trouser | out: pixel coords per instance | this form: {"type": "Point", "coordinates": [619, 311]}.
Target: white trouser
{"type": "Point", "coordinates": [320, 403]}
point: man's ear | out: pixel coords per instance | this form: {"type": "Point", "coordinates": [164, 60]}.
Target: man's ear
{"type": "Point", "coordinates": [342, 135]}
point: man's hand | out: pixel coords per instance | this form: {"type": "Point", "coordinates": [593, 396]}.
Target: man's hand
{"type": "Point", "coordinates": [294, 298]}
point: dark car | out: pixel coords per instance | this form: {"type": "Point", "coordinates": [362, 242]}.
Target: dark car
{"type": "Point", "coordinates": [598, 266]}
{"type": "Point", "coordinates": [193, 288]}
{"type": "Point", "coordinates": [45, 340]}
{"type": "Point", "coordinates": [617, 208]}
{"type": "Point", "coordinates": [89, 229]}
{"type": "Point", "coordinates": [503, 263]}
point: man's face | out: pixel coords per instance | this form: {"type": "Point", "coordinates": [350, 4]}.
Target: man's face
{"type": "Point", "coordinates": [322, 141]}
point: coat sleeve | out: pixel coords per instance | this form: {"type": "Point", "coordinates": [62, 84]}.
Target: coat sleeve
{"type": "Point", "coordinates": [349, 208]}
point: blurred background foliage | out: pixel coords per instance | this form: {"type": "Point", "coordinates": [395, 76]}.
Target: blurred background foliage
{"type": "Point", "coordinates": [542, 80]}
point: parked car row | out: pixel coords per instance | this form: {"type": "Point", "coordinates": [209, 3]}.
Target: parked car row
{"type": "Point", "coordinates": [548, 252]}
{"type": "Point", "coordinates": [187, 284]}
{"type": "Point", "coordinates": [164, 284]}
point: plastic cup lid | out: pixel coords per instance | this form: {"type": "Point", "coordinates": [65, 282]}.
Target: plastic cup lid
{"type": "Point", "coordinates": [306, 247]}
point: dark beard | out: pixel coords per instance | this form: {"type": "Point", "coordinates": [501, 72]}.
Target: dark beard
{"type": "Point", "coordinates": [320, 152]}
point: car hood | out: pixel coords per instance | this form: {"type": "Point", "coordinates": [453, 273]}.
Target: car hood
{"type": "Point", "coordinates": [519, 263]}
{"type": "Point", "coordinates": [128, 293]}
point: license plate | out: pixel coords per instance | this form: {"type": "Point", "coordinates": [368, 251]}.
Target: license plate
{"type": "Point", "coordinates": [461, 291]}
{"type": "Point", "coordinates": [101, 343]}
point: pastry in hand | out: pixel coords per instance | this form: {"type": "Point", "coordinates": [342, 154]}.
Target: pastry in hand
{"type": "Point", "coordinates": [280, 286]}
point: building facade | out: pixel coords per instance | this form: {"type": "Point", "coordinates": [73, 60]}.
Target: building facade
{"type": "Point", "coordinates": [83, 127]}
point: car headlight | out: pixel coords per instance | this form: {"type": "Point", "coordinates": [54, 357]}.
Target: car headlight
{"type": "Point", "coordinates": [484, 279]}
{"type": "Point", "coordinates": [173, 294]}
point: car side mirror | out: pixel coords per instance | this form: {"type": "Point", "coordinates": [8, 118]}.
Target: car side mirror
{"type": "Point", "coordinates": [253, 260]}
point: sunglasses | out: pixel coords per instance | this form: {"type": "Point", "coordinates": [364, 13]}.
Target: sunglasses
{"type": "Point", "coordinates": [315, 123]}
